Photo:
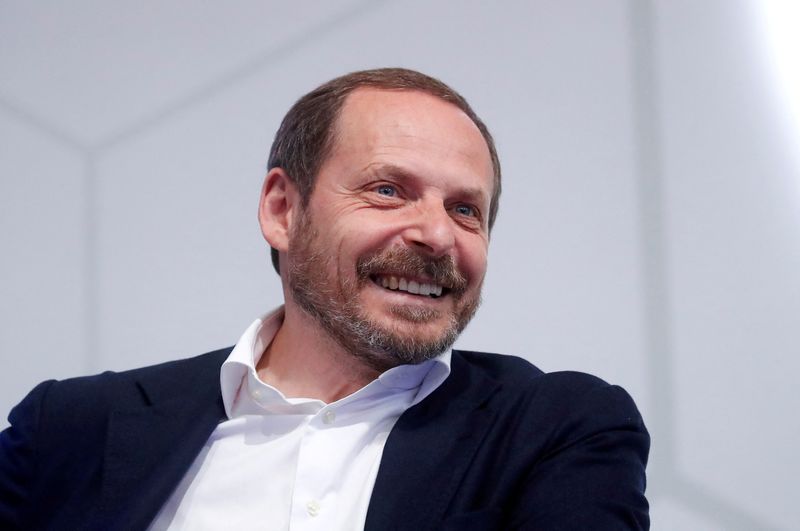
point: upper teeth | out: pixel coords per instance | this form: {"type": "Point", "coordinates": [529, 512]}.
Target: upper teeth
{"type": "Point", "coordinates": [411, 286]}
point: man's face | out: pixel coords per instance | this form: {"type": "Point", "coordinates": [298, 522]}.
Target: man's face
{"type": "Point", "coordinates": [390, 254]}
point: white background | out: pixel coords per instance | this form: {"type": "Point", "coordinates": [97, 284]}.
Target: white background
{"type": "Point", "coordinates": [649, 230]}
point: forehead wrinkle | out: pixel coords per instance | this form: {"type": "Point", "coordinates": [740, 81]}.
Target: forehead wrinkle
{"type": "Point", "coordinates": [394, 120]}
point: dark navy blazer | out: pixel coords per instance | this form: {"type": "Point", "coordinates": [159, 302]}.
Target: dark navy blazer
{"type": "Point", "coordinates": [499, 445]}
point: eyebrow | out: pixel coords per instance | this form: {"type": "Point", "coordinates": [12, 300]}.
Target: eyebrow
{"type": "Point", "coordinates": [383, 170]}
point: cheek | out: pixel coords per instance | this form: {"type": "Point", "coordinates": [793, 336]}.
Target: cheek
{"type": "Point", "coordinates": [346, 246]}
{"type": "Point", "coordinates": [475, 262]}
{"type": "Point", "coordinates": [366, 233]}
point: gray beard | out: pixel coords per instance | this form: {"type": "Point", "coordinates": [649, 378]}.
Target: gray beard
{"type": "Point", "coordinates": [339, 313]}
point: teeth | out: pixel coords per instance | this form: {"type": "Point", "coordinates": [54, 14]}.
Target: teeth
{"type": "Point", "coordinates": [411, 286]}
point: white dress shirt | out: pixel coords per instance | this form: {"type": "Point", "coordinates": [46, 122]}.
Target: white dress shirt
{"type": "Point", "coordinates": [292, 463]}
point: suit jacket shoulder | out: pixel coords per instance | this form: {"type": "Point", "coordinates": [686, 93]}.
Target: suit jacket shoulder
{"type": "Point", "coordinates": [502, 445]}
{"type": "Point", "coordinates": [76, 447]}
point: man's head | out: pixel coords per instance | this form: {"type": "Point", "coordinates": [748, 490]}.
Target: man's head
{"type": "Point", "coordinates": [308, 131]}
{"type": "Point", "coordinates": [384, 239]}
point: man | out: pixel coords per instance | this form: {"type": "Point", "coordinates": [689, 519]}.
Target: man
{"type": "Point", "coordinates": [344, 409]}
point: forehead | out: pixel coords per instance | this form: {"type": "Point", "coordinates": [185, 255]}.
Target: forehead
{"type": "Point", "coordinates": [412, 125]}
{"type": "Point", "coordinates": [367, 108]}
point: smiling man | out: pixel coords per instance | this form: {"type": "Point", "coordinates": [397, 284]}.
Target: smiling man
{"type": "Point", "coordinates": [345, 408]}
{"type": "Point", "coordinates": [386, 256]}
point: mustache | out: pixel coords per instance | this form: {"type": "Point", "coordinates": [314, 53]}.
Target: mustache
{"type": "Point", "coordinates": [401, 261]}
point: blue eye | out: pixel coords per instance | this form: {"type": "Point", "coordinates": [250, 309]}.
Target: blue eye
{"type": "Point", "coordinates": [387, 190]}
{"type": "Point", "coordinates": [465, 210]}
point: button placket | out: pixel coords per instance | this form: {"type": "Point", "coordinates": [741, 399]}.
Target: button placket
{"type": "Point", "coordinates": [310, 475]}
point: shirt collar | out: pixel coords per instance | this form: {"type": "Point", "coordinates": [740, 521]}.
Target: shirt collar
{"type": "Point", "coordinates": [427, 376]}
{"type": "Point", "coordinates": [242, 361]}
{"type": "Point", "coordinates": [245, 355]}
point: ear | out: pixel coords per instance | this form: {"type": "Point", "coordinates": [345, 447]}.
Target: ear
{"type": "Point", "coordinates": [277, 208]}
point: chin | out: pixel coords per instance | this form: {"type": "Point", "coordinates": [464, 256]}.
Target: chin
{"type": "Point", "coordinates": [419, 326]}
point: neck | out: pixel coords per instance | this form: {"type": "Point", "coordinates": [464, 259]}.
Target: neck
{"type": "Point", "coordinates": [304, 361]}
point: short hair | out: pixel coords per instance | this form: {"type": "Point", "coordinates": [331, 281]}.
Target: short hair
{"type": "Point", "coordinates": [305, 137]}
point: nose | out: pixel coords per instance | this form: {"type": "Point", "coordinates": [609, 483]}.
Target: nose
{"type": "Point", "coordinates": [430, 230]}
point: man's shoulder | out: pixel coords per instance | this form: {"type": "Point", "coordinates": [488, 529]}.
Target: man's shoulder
{"type": "Point", "coordinates": [514, 372]}
{"type": "Point", "coordinates": [108, 388]}
{"type": "Point", "coordinates": [522, 389]}
{"type": "Point", "coordinates": [64, 432]}
{"type": "Point", "coordinates": [525, 440]}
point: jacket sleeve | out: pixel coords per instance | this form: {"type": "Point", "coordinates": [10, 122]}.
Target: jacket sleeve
{"type": "Point", "coordinates": [593, 474]}
{"type": "Point", "coordinates": [18, 459]}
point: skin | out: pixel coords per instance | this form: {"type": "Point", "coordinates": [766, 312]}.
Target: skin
{"type": "Point", "coordinates": [407, 170]}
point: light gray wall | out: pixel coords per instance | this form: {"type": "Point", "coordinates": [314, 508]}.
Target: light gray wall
{"type": "Point", "coordinates": [649, 228]}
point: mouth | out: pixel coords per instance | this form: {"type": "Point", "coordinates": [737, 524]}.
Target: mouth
{"type": "Point", "coordinates": [410, 285]}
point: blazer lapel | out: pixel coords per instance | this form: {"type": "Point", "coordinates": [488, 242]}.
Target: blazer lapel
{"type": "Point", "coordinates": [150, 448]}
{"type": "Point", "coordinates": [428, 451]}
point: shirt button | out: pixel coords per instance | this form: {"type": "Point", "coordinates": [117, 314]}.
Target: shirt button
{"type": "Point", "coordinates": [256, 394]}
{"type": "Point", "coordinates": [312, 508]}
{"type": "Point", "coordinates": [329, 417]}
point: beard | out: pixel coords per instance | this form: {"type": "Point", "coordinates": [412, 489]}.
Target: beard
{"type": "Point", "coordinates": [335, 304]}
